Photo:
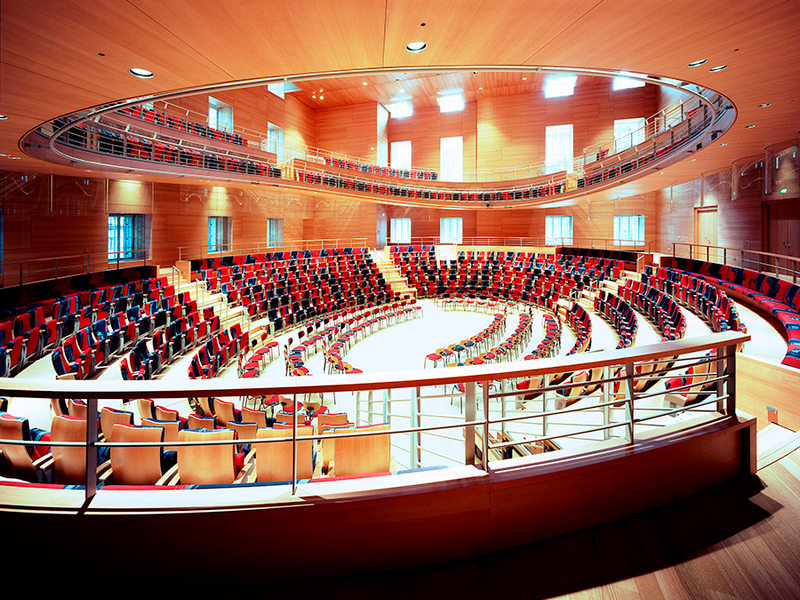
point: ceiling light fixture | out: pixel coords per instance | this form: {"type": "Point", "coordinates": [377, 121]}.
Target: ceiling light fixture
{"type": "Point", "coordinates": [749, 126]}
{"type": "Point", "coordinates": [363, 83]}
{"type": "Point", "coordinates": [3, 117]}
{"type": "Point", "coordinates": [784, 190]}
{"type": "Point", "coordinates": [723, 145]}
{"type": "Point", "coordinates": [416, 46]}
{"type": "Point", "coordinates": [697, 63]}
{"type": "Point", "coordinates": [765, 105]}
{"type": "Point", "coordinates": [717, 68]}
{"type": "Point", "coordinates": [142, 73]}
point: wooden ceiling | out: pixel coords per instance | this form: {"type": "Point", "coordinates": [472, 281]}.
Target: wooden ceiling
{"type": "Point", "coordinates": [58, 56]}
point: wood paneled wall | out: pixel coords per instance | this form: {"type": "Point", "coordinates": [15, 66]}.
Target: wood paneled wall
{"type": "Point", "coordinates": [352, 130]}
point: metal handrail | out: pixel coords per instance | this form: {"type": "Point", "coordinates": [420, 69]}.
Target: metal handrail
{"type": "Point", "coordinates": [740, 257]}
{"type": "Point", "coordinates": [471, 377]}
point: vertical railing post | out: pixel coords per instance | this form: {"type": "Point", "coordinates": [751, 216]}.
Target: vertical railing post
{"type": "Point", "coordinates": [294, 445]}
{"type": "Point", "coordinates": [730, 368]}
{"type": "Point", "coordinates": [91, 449]}
{"type": "Point", "coordinates": [485, 450]}
{"type": "Point", "coordinates": [469, 430]}
{"type": "Point", "coordinates": [545, 383]}
{"type": "Point", "coordinates": [413, 449]}
{"type": "Point", "coordinates": [629, 397]}
{"type": "Point", "coordinates": [720, 370]}
{"type": "Point", "coordinates": [606, 408]}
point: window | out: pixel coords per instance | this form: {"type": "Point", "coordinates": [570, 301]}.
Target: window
{"type": "Point", "coordinates": [128, 237]}
{"type": "Point", "coordinates": [451, 158]}
{"type": "Point", "coordinates": [451, 103]}
{"type": "Point", "coordinates": [277, 88]}
{"type": "Point", "coordinates": [274, 233]}
{"type": "Point", "coordinates": [401, 231]}
{"type": "Point", "coordinates": [626, 83]}
{"type": "Point", "coordinates": [558, 148]}
{"type": "Point", "coordinates": [450, 230]}
{"type": "Point", "coordinates": [558, 86]}
{"type": "Point", "coordinates": [557, 230]}
{"type": "Point", "coordinates": [219, 234]}
{"type": "Point", "coordinates": [628, 229]}
{"type": "Point", "coordinates": [401, 155]}
{"type": "Point", "coordinates": [220, 115]}
{"type": "Point", "coordinates": [275, 140]}
{"type": "Point", "coordinates": [401, 110]}
{"type": "Point", "coordinates": [628, 133]}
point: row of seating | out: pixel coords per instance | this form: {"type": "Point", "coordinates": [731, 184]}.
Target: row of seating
{"type": "Point", "coordinates": [580, 322]}
{"type": "Point", "coordinates": [344, 183]}
{"type": "Point", "coordinates": [551, 344]}
{"type": "Point", "coordinates": [352, 165]}
{"type": "Point", "coordinates": [216, 262]}
{"type": "Point", "coordinates": [619, 313]}
{"type": "Point", "coordinates": [658, 306]}
{"type": "Point", "coordinates": [476, 345]}
{"type": "Point", "coordinates": [148, 115]}
{"type": "Point", "coordinates": [773, 296]}
{"type": "Point", "coordinates": [218, 351]}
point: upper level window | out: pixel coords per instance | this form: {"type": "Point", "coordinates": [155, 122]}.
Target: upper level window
{"type": "Point", "coordinates": [451, 103]}
{"type": "Point", "coordinates": [277, 88]}
{"type": "Point", "coordinates": [558, 148]}
{"type": "Point", "coordinates": [450, 230]}
{"type": "Point", "coordinates": [128, 237]}
{"type": "Point", "coordinates": [400, 231]}
{"type": "Point", "coordinates": [628, 133]}
{"type": "Point", "coordinates": [275, 140]}
{"type": "Point", "coordinates": [625, 83]}
{"type": "Point", "coordinates": [451, 158]}
{"type": "Point", "coordinates": [628, 229]}
{"type": "Point", "coordinates": [401, 155]}
{"type": "Point", "coordinates": [219, 234]}
{"type": "Point", "coordinates": [557, 86]}
{"type": "Point", "coordinates": [220, 115]}
{"type": "Point", "coordinates": [401, 110]}
{"type": "Point", "coordinates": [557, 230]}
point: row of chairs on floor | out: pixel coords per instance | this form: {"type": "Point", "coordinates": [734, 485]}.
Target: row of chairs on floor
{"type": "Point", "coordinates": [551, 344]}
{"type": "Point", "coordinates": [241, 261]}
{"type": "Point", "coordinates": [352, 165]}
{"type": "Point", "coordinates": [658, 306]}
{"type": "Point", "coordinates": [218, 351]}
{"type": "Point", "coordinates": [163, 119]}
{"type": "Point", "coordinates": [620, 314]}
{"type": "Point", "coordinates": [472, 346]}
{"type": "Point", "coordinates": [580, 322]}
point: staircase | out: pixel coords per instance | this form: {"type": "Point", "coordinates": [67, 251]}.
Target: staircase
{"type": "Point", "coordinates": [391, 274]}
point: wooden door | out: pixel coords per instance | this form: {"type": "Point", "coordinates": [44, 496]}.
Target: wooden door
{"type": "Point", "coordinates": [380, 232]}
{"type": "Point", "coordinates": [705, 233]}
{"type": "Point", "coordinates": [783, 233]}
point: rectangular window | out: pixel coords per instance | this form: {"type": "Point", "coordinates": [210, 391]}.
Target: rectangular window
{"type": "Point", "coordinates": [628, 133]}
{"type": "Point", "coordinates": [450, 230]}
{"type": "Point", "coordinates": [219, 234]}
{"type": "Point", "coordinates": [451, 159]}
{"type": "Point", "coordinates": [277, 88]}
{"type": "Point", "coordinates": [558, 152]}
{"type": "Point", "coordinates": [451, 103]}
{"type": "Point", "coordinates": [274, 233]}
{"type": "Point", "coordinates": [400, 110]}
{"type": "Point", "coordinates": [557, 230]}
{"type": "Point", "coordinates": [401, 155]}
{"type": "Point", "coordinates": [626, 83]}
{"type": "Point", "coordinates": [401, 231]}
{"type": "Point", "coordinates": [628, 229]}
{"type": "Point", "coordinates": [558, 86]}
{"type": "Point", "coordinates": [128, 237]}
{"type": "Point", "coordinates": [275, 140]}
{"type": "Point", "coordinates": [220, 115]}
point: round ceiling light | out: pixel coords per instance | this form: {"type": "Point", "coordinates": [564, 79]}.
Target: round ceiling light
{"type": "Point", "coordinates": [142, 73]}
{"type": "Point", "coordinates": [697, 63]}
{"type": "Point", "coordinates": [717, 68]}
{"type": "Point", "coordinates": [416, 46]}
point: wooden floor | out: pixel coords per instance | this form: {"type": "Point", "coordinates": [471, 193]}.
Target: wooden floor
{"type": "Point", "coordinates": [740, 540]}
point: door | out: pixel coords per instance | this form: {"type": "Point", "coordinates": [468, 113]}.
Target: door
{"type": "Point", "coordinates": [705, 234]}
{"type": "Point", "coordinates": [380, 232]}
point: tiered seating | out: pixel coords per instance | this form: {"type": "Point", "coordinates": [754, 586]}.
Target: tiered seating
{"type": "Point", "coordinates": [579, 320]}
{"type": "Point", "coordinates": [660, 307]}
{"type": "Point", "coordinates": [620, 314]}
{"type": "Point", "coordinates": [178, 124]}
{"type": "Point", "coordinates": [386, 189]}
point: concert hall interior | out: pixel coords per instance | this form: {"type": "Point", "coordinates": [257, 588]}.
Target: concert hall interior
{"type": "Point", "coordinates": [402, 297]}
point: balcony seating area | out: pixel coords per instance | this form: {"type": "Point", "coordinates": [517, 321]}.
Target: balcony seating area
{"type": "Point", "coordinates": [776, 298]}
{"type": "Point", "coordinates": [351, 165]}
{"type": "Point", "coordinates": [148, 115]}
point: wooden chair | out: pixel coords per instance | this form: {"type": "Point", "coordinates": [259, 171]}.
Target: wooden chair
{"type": "Point", "coordinates": [76, 408]}
{"type": "Point", "coordinates": [244, 431]}
{"type": "Point", "coordinates": [202, 465]}
{"type": "Point", "coordinates": [146, 408]}
{"type": "Point", "coordinates": [274, 460]}
{"type": "Point", "coordinates": [131, 465]}
{"type": "Point", "coordinates": [225, 412]}
{"type": "Point", "coordinates": [206, 406]}
{"type": "Point", "coordinates": [109, 417]}
{"type": "Point", "coordinates": [573, 394]}
{"type": "Point", "coordinates": [69, 462]}
{"type": "Point", "coordinates": [362, 455]}
{"type": "Point", "coordinates": [252, 415]}
{"type": "Point", "coordinates": [19, 457]}
{"type": "Point", "coordinates": [58, 406]}
{"type": "Point", "coordinates": [171, 429]}
{"type": "Point", "coordinates": [289, 418]}
{"type": "Point", "coordinates": [196, 422]}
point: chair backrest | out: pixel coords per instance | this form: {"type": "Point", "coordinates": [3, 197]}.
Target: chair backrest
{"type": "Point", "coordinates": [136, 466]}
{"type": "Point", "coordinates": [206, 406]}
{"type": "Point", "coordinates": [199, 465]}
{"type": "Point", "coordinates": [224, 411]}
{"type": "Point", "coordinates": [76, 408]}
{"type": "Point", "coordinates": [146, 408]}
{"type": "Point", "coordinates": [59, 406]}
{"type": "Point", "coordinates": [329, 419]}
{"type": "Point", "coordinates": [109, 416]}
{"type": "Point", "coordinates": [287, 418]}
{"type": "Point", "coordinates": [274, 460]}
{"type": "Point", "coordinates": [244, 431]}
{"type": "Point", "coordinates": [197, 422]}
{"type": "Point", "coordinates": [170, 427]}
{"type": "Point", "coordinates": [69, 461]}
{"type": "Point", "coordinates": [166, 414]}
{"type": "Point", "coordinates": [251, 415]}
{"type": "Point", "coordinates": [16, 428]}
{"type": "Point", "coordinates": [362, 455]}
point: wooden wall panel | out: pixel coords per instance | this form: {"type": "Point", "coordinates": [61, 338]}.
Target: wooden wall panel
{"type": "Point", "coordinates": [350, 130]}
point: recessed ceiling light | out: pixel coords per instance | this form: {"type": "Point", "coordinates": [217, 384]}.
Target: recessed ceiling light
{"type": "Point", "coordinates": [717, 68]}
{"type": "Point", "coordinates": [784, 190]}
{"type": "Point", "coordinates": [321, 90]}
{"type": "Point", "coordinates": [765, 105]}
{"type": "Point", "coordinates": [363, 83]}
{"type": "Point", "coordinates": [697, 63]}
{"type": "Point", "coordinates": [480, 88]}
{"type": "Point", "coordinates": [694, 159]}
{"type": "Point", "coordinates": [723, 145]}
{"type": "Point", "coordinates": [322, 97]}
{"type": "Point", "coordinates": [416, 46]}
{"type": "Point", "coordinates": [3, 117]}
{"type": "Point", "coordinates": [749, 126]}
{"type": "Point", "coordinates": [143, 73]}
